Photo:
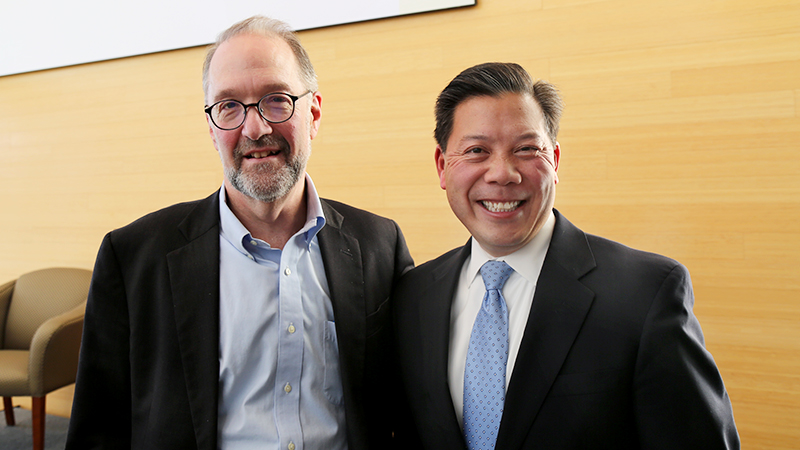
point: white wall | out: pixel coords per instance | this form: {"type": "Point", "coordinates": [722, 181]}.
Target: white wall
{"type": "Point", "coordinates": [38, 35]}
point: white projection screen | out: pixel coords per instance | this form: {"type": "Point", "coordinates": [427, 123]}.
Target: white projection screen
{"type": "Point", "coordinates": [43, 34]}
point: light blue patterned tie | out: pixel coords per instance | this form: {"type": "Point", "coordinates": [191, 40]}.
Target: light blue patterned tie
{"type": "Point", "coordinates": [485, 372]}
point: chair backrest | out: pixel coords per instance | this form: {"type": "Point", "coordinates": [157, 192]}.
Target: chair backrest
{"type": "Point", "coordinates": [39, 296]}
{"type": "Point", "coordinates": [5, 298]}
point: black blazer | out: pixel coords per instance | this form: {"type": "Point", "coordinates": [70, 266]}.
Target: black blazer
{"type": "Point", "coordinates": [149, 366]}
{"type": "Point", "coordinates": [612, 355]}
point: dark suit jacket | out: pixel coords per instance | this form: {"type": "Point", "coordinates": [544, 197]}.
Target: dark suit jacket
{"type": "Point", "coordinates": [612, 355]}
{"type": "Point", "coordinates": [149, 367]}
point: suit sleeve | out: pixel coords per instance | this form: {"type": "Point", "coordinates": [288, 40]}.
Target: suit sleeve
{"type": "Point", "coordinates": [679, 398]}
{"type": "Point", "coordinates": [402, 257]}
{"type": "Point", "coordinates": [101, 407]}
{"type": "Point", "coordinates": [404, 432]}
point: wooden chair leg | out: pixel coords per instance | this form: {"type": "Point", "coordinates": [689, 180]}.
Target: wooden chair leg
{"type": "Point", "coordinates": [38, 414]}
{"type": "Point", "coordinates": [8, 407]}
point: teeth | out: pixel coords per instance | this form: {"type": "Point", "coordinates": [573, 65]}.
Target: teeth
{"type": "Point", "coordinates": [501, 206]}
{"type": "Point", "coordinates": [261, 154]}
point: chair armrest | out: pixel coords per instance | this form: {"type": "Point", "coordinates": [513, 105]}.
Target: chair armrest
{"type": "Point", "coordinates": [54, 351]}
{"type": "Point", "coordinates": [5, 298]}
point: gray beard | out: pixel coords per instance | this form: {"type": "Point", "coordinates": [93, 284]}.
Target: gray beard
{"type": "Point", "coordinates": [265, 183]}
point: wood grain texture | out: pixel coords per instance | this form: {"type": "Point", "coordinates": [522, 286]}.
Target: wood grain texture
{"type": "Point", "coordinates": [680, 136]}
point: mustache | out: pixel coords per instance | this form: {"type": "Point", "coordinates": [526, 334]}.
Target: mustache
{"type": "Point", "coordinates": [246, 145]}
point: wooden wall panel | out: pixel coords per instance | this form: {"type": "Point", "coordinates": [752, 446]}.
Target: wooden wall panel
{"type": "Point", "coordinates": [680, 136]}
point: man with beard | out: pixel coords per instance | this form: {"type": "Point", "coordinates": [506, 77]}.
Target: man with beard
{"type": "Point", "coordinates": [257, 317]}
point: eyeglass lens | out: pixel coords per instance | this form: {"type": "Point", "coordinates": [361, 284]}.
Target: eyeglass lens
{"type": "Point", "coordinates": [275, 108]}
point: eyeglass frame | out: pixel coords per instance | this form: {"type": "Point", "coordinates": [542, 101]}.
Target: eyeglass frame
{"type": "Point", "coordinates": [247, 106]}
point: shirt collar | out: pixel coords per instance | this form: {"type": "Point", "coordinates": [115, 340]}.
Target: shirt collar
{"type": "Point", "coordinates": [234, 232]}
{"type": "Point", "coordinates": [315, 218]}
{"type": "Point", "coordinates": [526, 261]}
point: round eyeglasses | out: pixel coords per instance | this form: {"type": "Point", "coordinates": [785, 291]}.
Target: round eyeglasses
{"type": "Point", "coordinates": [277, 107]}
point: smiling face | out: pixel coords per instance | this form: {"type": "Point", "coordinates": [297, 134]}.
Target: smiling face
{"type": "Point", "coordinates": [499, 170]}
{"type": "Point", "coordinates": [261, 160]}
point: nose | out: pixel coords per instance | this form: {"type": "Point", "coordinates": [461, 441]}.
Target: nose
{"type": "Point", "coordinates": [502, 170]}
{"type": "Point", "coordinates": [254, 125]}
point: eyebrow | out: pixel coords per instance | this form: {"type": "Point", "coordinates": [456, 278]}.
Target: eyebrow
{"type": "Point", "coordinates": [267, 89]}
{"type": "Point", "coordinates": [523, 137]}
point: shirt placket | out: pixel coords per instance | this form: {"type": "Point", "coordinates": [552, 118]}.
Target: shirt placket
{"type": "Point", "coordinates": [290, 351]}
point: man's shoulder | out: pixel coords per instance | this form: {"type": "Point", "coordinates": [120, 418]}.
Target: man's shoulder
{"type": "Point", "coordinates": [609, 251]}
{"type": "Point", "coordinates": [630, 268]}
{"type": "Point", "coordinates": [357, 221]}
{"type": "Point", "coordinates": [348, 211]}
{"type": "Point", "coordinates": [164, 221]}
{"type": "Point", "coordinates": [605, 251]}
{"type": "Point", "coordinates": [450, 257]}
{"type": "Point", "coordinates": [429, 272]}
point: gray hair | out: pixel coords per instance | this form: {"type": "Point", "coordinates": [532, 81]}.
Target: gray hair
{"type": "Point", "coordinates": [265, 26]}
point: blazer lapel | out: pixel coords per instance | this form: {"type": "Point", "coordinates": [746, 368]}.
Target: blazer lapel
{"type": "Point", "coordinates": [341, 257]}
{"type": "Point", "coordinates": [560, 305]}
{"type": "Point", "coordinates": [434, 317]}
{"type": "Point", "coordinates": [194, 279]}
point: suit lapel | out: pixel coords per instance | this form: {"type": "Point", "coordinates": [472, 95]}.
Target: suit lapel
{"type": "Point", "coordinates": [194, 279]}
{"type": "Point", "coordinates": [434, 316]}
{"type": "Point", "coordinates": [560, 305]}
{"type": "Point", "coordinates": [341, 257]}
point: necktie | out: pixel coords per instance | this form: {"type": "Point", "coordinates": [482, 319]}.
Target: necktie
{"type": "Point", "coordinates": [485, 372]}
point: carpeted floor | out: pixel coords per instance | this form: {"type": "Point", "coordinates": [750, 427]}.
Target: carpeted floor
{"type": "Point", "coordinates": [20, 436]}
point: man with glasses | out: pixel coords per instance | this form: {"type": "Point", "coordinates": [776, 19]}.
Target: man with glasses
{"type": "Point", "coordinates": [258, 317]}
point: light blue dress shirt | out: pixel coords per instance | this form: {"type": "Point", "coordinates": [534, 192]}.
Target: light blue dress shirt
{"type": "Point", "coordinates": [279, 380]}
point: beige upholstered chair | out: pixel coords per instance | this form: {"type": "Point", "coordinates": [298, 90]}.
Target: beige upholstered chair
{"type": "Point", "coordinates": [41, 321]}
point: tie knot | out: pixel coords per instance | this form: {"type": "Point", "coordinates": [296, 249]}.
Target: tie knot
{"type": "Point", "coordinates": [495, 274]}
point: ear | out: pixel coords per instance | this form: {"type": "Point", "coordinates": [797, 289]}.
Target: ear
{"type": "Point", "coordinates": [440, 164]}
{"type": "Point", "coordinates": [556, 158]}
{"type": "Point", "coordinates": [316, 113]}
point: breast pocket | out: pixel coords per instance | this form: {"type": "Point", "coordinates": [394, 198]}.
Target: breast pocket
{"type": "Point", "coordinates": [332, 383]}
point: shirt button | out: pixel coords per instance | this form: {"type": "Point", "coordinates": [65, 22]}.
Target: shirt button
{"type": "Point", "coordinates": [287, 388]}
{"type": "Point", "coordinates": [291, 329]}
{"type": "Point", "coordinates": [251, 257]}
{"type": "Point", "coordinates": [290, 446]}
{"type": "Point", "coordinates": [287, 271]}
{"type": "Point", "coordinates": [254, 242]}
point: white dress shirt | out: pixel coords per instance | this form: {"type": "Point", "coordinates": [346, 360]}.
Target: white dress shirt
{"type": "Point", "coordinates": [279, 380]}
{"type": "Point", "coordinates": [518, 292]}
